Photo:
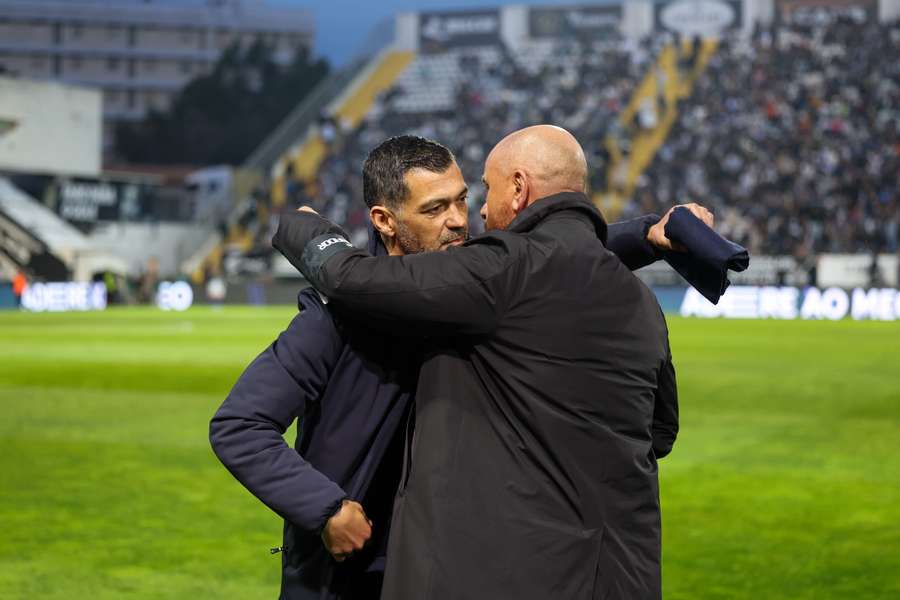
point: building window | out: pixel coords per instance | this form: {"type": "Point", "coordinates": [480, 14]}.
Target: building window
{"type": "Point", "coordinates": [112, 32]}
{"type": "Point", "coordinates": [149, 66]}
{"type": "Point", "coordinates": [57, 65]}
{"type": "Point", "coordinates": [77, 31]}
{"type": "Point", "coordinates": [132, 36]}
{"type": "Point", "coordinates": [155, 101]}
{"type": "Point", "coordinates": [132, 99]}
{"type": "Point", "coordinates": [186, 36]}
{"type": "Point", "coordinates": [75, 63]}
{"type": "Point", "coordinates": [112, 64]}
{"type": "Point", "coordinates": [185, 67]}
{"type": "Point", "coordinates": [38, 63]}
{"type": "Point", "coordinates": [224, 40]}
{"type": "Point", "coordinates": [57, 34]}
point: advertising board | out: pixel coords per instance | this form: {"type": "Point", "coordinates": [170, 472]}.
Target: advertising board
{"type": "Point", "coordinates": [770, 302]}
{"type": "Point", "coordinates": [85, 201]}
{"type": "Point", "coordinates": [64, 297]}
{"type": "Point", "coordinates": [440, 31]}
{"type": "Point", "coordinates": [704, 18]}
{"type": "Point", "coordinates": [811, 12]}
{"type": "Point", "coordinates": [586, 22]}
{"type": "Point", "coordinates": [174, 295]}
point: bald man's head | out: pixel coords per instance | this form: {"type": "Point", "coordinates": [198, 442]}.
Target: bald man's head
{"type": "Point", "coordinates": [527, 165]}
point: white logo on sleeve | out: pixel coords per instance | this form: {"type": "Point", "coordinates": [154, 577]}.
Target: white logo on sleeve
{"type": "Point", "coordinates": [332, 241]}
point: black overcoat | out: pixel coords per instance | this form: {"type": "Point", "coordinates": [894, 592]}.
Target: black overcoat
{"type": "Point", "coordinates": [350, 388]}
{"type": "Point", "coordinates": [541, 410]}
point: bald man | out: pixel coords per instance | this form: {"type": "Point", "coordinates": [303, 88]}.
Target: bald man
{"type": "Point", "coordinates": [546, 396]}
{"type": "Point", "coordinates": [529, 164]}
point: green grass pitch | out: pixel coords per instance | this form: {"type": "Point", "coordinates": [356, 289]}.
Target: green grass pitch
{"type": "Point", "coordinates": [784, 483]}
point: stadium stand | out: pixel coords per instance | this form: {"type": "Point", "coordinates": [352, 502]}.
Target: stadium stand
{"type": "Point", "coordinates": [64, 251]}
{"type": "Point", "coordinates": [242, 244]}
{"type": "Point", "coordinates": [61, 238]}
{"type": "Point", "coordinates": [22, 252]}
{"type": "Point", "coordinates": [471, 97]}
{"type": "Point", "coordinates": [654, 109]}
{"type": "Point", "coordinates": [775, 131]}
{"type": "Point", "coordinates": [793, 137]}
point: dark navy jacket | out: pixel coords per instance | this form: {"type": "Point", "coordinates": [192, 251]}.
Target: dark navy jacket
{"type": "Point", "coordinates": [351, 389]}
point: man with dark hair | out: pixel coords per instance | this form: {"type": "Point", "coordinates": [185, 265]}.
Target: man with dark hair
{"type": "Point", "coordinates": [419, 179]}
{"type": "Point", "coordinates": [351, 388]}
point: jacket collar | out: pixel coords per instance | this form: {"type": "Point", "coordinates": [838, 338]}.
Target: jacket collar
{"type": "Point", "coordinates": [375, 246]}
{"type": "Point", "coordinates": [572, 202]}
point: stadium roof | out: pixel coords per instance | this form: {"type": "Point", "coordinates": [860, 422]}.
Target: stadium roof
{"type": "Point", "coordinates": [224, 15]}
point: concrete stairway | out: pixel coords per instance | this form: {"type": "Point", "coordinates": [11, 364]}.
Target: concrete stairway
{"type": "Point", "coordinates": [658, 95]}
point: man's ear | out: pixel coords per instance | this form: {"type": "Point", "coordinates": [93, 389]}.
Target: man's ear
{"type": "Point", "coordinates": [520, 191]}
{"type": "Point", "coordinates": [383, 220]}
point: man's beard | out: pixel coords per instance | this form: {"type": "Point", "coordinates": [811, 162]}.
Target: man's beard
{"type": "Point", "coordinates": [499, 218]}
{"type": "Point", "coordinates": [411, 244]}
{"type": "Point", "coordinates": [408, 242]}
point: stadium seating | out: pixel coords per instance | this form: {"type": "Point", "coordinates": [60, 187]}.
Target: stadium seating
{"type": "Point", "coordinates": [248, 232]}
{"type": "Point", "coordinates": [429, 85]}
{"type": "Point", "coordinates": [61, 238]}
{"type": "Point", "coordinates": [793, 137]}
{"type": "Point", "coordinates": [469, 98]}
{"type": "Point", "coordinates": [662, 121]}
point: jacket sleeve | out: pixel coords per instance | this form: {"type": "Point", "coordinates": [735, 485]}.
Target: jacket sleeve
{"type": "Point", "coordinates": [247, 431]}
{"type": "Point", "coordinates": [665, 411]}
{"type": "Point", "coordinates": [459, 291]}
{"type": "Point", "coordinates": [628, 241]}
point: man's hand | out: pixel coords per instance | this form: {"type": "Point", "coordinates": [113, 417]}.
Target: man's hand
{"type": "Point", "coordinates": [307, 209]}
{"type": "Point", "coordinates": [656, 235]}
{"type": "Point", "coordinates": [347, 531]}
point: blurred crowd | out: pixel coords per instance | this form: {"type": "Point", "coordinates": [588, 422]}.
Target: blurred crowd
{"type": "Point", "coordinates": [581, 86]}
{"type": "Point", "coordinates": [792, 135]}
{"type": "Point", "coordinates": [793, 138]}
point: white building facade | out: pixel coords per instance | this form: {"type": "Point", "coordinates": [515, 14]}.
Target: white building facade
{"type": "Point", "coordinates": [140, 53]}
